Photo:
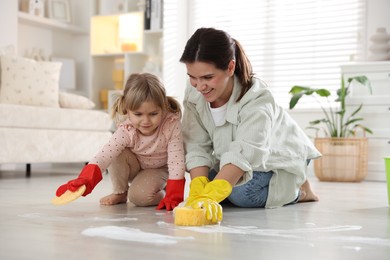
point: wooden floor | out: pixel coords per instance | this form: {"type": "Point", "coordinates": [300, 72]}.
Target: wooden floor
{"type": "Point", "coordinates": [352, 221]}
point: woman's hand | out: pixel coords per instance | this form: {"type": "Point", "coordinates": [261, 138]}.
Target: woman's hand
{"type": "Point", "coordinates": [196, 187]}
{"type": "Point", "coordinates": [209, 198]}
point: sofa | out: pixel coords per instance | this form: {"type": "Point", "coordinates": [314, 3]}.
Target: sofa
{"type": "Point", "coordinates": [41, 124]}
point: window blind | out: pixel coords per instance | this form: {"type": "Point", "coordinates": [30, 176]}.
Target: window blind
{"type": "Point", "coordinates": [175, 36]}
{"type": "Point", "coordinates": [290, 42]}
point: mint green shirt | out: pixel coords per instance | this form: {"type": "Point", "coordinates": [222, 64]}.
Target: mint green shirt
{"type": "Point", "coordinates": [258, 135]}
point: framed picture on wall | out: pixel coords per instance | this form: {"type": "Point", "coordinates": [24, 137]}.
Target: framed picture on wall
{"type": "Point", "coordinates": [59, 10]}
{"type": "Point", "coordinates": [109, 7]}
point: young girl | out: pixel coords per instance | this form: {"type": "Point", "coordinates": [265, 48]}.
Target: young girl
{"type": "Point", "coordinates": [146, 150]}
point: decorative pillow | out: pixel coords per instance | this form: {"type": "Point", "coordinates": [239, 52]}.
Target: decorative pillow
{"type": "Point", "coordinates": [7, 50]}
{"type": "Point", "coordinates": [68, 100]}
{"type": "Point", "coordinates": [29, 82]}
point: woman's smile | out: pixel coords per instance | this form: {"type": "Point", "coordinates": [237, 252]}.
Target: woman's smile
{"type": "Point", "coordinates": [214, 84]}
{"type": "Point", "coordinates": [206, 93]}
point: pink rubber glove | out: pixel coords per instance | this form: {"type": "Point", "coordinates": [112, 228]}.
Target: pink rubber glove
{"type": "Point", "coordinates": [174, 194]}
{"type": "Point", "coordinates": [90, 176]}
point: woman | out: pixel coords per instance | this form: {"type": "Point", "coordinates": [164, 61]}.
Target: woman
{"type": "Point", "coordinates": [236, 135]}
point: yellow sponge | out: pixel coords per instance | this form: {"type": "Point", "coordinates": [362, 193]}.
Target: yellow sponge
{"type": "Point", "coordinates": [185, 216]}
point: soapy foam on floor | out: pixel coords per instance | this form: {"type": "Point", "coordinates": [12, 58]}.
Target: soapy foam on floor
{"type": "Point", "coordinates": [256, 231]}
{"type": "Point", "coordinates": [375, 241]}
{"type": "Point", "coordinates": [297, 233]}
{"type": "Point", "coordinates": [74, 219]}
{"type": "Point", "coordinates": [132, 234]}
{"type": "Point", "coordinates": [136, 235]}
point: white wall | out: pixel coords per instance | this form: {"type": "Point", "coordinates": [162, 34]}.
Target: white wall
{"type": "Point", "coordinates": [378, 15]}
{"type": "Point", "coordinates": [8, 25]}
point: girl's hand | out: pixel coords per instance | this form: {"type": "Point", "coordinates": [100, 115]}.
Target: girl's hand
{"type": "Point", "coordinates": [174, 194]}
{"type": "Point", "coordinates": [90, 176]}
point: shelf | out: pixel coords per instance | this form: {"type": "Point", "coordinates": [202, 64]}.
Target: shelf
{"type": "Point", "coordinates": [158, 32]}
{"type": "Point", "coordinates": [44, 22]}
{"type": "Point", "coordinates": [119, 41]}
{"type": "Point", "coordinates": [119, 54]}
{"type": "Point", "coordinates": [111, 33]}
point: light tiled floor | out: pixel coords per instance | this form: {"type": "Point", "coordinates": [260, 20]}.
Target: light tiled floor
{"type": "Point", "coordinates": [352, 221]}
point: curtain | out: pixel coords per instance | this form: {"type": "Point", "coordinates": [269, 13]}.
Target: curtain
{"type": "Point", "coordinates": [290, 42]}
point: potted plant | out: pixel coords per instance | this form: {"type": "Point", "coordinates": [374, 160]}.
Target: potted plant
{"type": "Point", "coordinates": [344, 155]}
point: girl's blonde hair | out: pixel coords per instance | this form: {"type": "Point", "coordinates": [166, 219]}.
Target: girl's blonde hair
{"type": "Point", "coordinates": [141, 87]}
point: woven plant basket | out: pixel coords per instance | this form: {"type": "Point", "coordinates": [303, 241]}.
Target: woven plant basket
{"type": "Point", "coordinates": [343, 159]}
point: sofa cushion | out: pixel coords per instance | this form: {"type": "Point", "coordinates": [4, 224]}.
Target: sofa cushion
{"type": "Point", "coordinates": [29, 82]}
{"type": "Point", "coordinates": [35, 117]}
{"type": "Point", "coordinates": [69, 100]}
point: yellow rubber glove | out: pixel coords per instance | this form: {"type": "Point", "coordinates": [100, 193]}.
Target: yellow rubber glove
{"type": "Point", "coordinates": [213, 193]}
{"type": "Point", "coordinates": [196, 187]}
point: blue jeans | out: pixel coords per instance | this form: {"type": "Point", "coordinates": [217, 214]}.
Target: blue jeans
{"type": "Point", "coordinates": [252, 194]}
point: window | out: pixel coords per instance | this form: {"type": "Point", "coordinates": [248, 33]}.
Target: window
{"type": "Point", "coordinates": [290, 42]}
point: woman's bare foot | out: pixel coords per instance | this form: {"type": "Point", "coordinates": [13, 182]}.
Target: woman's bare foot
{"type": "Point", "coordinates": [307, 193]}
{"type": "Point", "coordinates": [114, 199]}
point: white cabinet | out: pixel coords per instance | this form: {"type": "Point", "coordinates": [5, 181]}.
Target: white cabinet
{"type": "Point", "coordinates": [120, 45]}
{"type": "Point", "coordinates": [375, 111]}
{"type": "Point", "coordinates": [56, 39]}
{"type": "Point", "coordinates": [74, 40]}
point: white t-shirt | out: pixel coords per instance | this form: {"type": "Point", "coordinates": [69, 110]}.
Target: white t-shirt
{"type": "Point", "coordinates": [218, 114]}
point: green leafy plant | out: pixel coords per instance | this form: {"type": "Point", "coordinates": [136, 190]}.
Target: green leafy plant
{"type": "Point", "coordinates": [337, 122]}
